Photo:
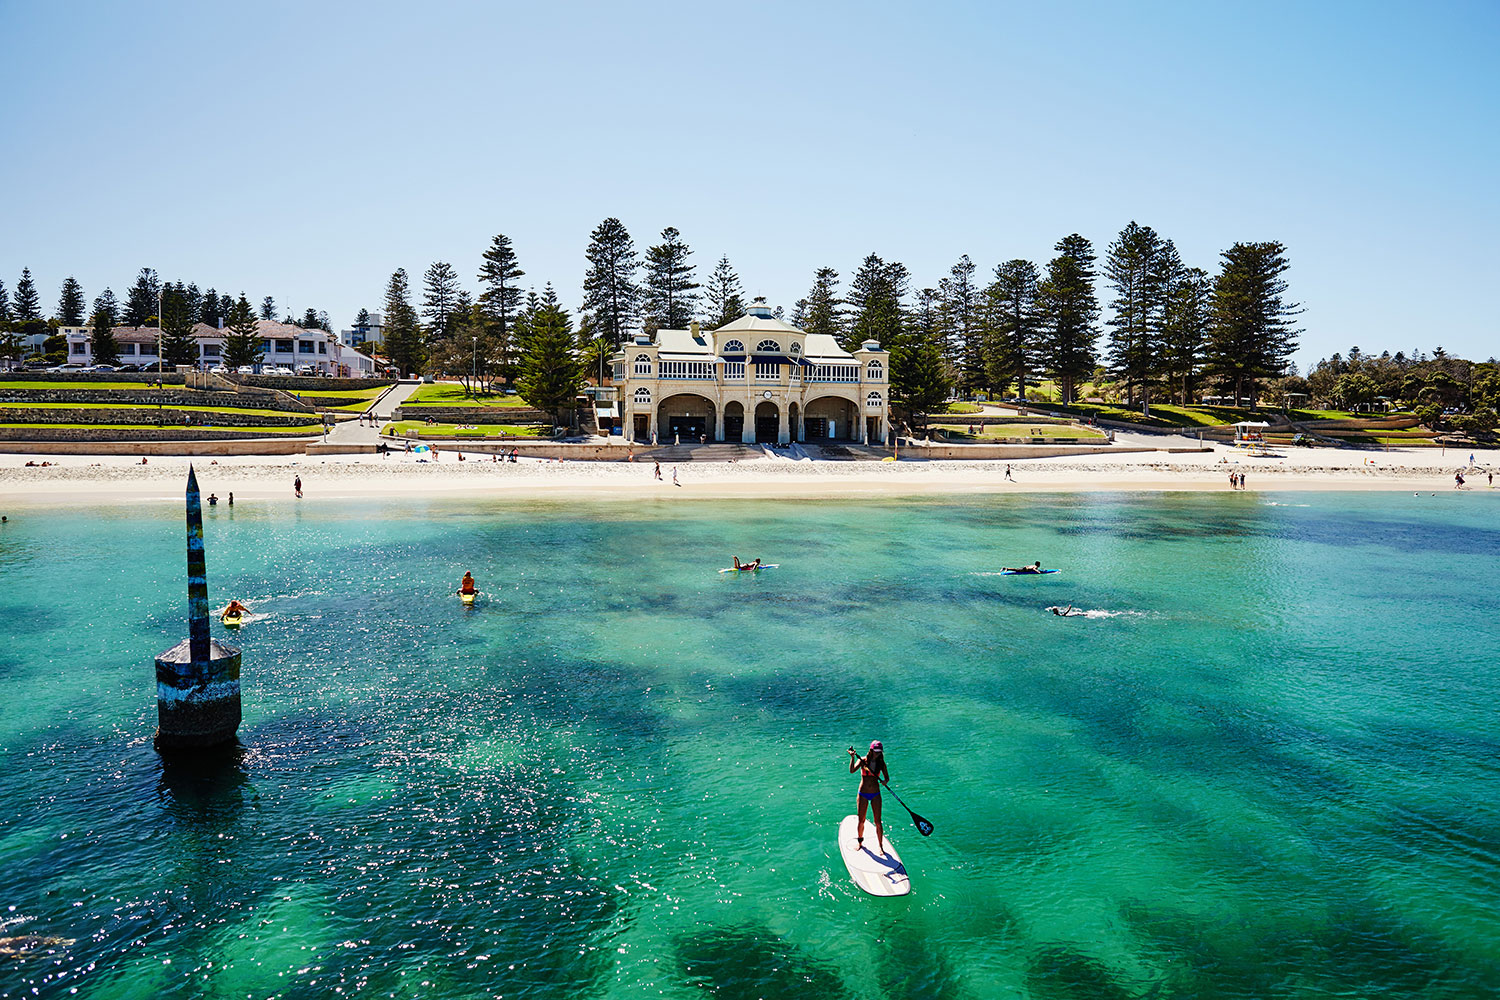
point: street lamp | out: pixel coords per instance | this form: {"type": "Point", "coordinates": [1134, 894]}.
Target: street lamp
{"type": "Point", "coordinates": [474, 363]}
{"type": "Point", "coordinates": [159, 292]}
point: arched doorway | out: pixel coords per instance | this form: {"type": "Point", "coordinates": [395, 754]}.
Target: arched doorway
{"type": "Point", "coordinates": [831, 418]}
{"type": "Point", "coordinates": [685, 417]}
{"type": "Point", "coordinates": [767, 423]}
{"type": "Point", "coordinates": [793, 421]}
{"type": "Point", "coordinates": [734, 421]}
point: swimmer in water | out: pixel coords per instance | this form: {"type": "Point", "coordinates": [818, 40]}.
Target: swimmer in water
{"type": "Point", "coordinates": [1068, 612]}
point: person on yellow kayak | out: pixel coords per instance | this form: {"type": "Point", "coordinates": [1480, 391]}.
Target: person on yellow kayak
{"type": "Point", "coordinates": [234, 610]}
{"type": "Point", "coordinates": [467, 585]}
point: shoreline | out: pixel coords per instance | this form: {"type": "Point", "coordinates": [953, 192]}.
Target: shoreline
{"type": "Point", "coordinates": [85, 480]}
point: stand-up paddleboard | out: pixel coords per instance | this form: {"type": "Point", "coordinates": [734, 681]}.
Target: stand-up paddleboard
{"type": "Point", "coordinates": [1029, 572]}
{"type": "Point", "coordinates": [877, 869]}
{"type": "Point", "coordinates": [750, 569]}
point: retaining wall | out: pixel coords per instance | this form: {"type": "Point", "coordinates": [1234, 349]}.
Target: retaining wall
{"type": "Point", "coordinates": [174, 396]}
{"type": "Point", "coordinates": [473, 414]}
{"type": "Point", "coordinates": [134, 415]}
{"type": "Point", "coordinates": [291, 383]}
{"type": "Point", "coordinates": [89, 435]}
{"type": "Point", "coordinates": [166, 378]}
{"type": "Point", "coordinates": [246, 446]}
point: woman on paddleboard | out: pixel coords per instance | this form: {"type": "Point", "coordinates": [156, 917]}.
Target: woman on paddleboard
{"type": "Point", "coordinates": [872, 772]}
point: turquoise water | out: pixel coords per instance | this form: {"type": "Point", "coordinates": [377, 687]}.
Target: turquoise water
{"type": "Point", "coordinates": [1265, 768]}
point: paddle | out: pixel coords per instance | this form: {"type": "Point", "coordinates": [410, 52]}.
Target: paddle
{"type": "Point", "coordinates": [923, 826]}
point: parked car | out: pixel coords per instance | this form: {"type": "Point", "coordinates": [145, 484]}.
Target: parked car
{"type": "Point", "coordinates": [101, 368]}
{"type": "Point", "coordinates": [218, 370]}
{"type": "Point", "coordinates": [71, 366]}
{"type": "Point", "coordinates": [127, 368]}
{"type": "Point", "coordinates": [246, 370]}
{"type": "Point", "coordinates": [307, 369]}
{"type": "Point", "coordinates": [281, 370]}
{"type": "Point", "coordinates": [37, 366]}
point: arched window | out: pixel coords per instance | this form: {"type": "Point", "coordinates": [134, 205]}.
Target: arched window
{"type": "Point", "coordinates": [768, 347]}
{"type": "Point", "coordinates": [643, 364]}
{"type": "Point", "coordinates": [796, 349]}
{"type": "Point", "coordinates": [875, 371]}
{"type": "Point", "coordinates": [734, 347]}
{"type": "Point", "coordinates": [643, 396]}
{"type": "Point", "coordinates": [872, 401]}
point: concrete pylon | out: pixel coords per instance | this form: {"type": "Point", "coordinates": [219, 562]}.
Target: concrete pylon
{"type": "Point", "coordinates": [197, 680]}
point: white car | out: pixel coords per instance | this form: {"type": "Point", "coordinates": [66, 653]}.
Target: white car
{"type": "Point", "coordinates": [245, 370]}
{"type": "Point", "coordinates": [218, 370]}
{"type": "Point", "coordinates": [101, 368]}
{"type": "Point", "coordinates": [71, 366]}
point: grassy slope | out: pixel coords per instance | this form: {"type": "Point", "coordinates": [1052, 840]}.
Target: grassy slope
{"type": "Point", "coordinates": [997, 432]}
{"type": "Point", "coordinates": [448, 394]}
{"type": "Point", "coordinates": [145, 406]}
{"type": "Point", "coordinates": [268, 431]}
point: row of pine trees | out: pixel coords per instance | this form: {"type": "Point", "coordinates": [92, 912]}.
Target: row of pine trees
{"type": "Point", "coordinates": [1173, 328]}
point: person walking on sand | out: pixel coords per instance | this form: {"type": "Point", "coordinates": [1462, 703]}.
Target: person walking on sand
{"type": "Point", "coordinates": [658, 472]}
{"type": "Point", "coordinates": [674, 477]}
{"type": "Point", "coordinates": [1008, 475]}
{"type": "Point", "coordinates": [872, 771]}
{"type": "Point", "coordinates": [297, 487]}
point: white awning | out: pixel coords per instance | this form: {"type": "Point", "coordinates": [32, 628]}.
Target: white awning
{"type": "Point", "coordinates": [606, 411]}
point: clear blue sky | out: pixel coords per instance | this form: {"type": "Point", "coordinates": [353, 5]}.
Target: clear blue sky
{"type": "Point", "coordinates": [306, 150]}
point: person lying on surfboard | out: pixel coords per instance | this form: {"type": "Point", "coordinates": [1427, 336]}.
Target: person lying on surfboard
{"type": "Point", "coordinates": [466, 586]}
{"type": "Point", "coordinates": [1067, 612]}
{"type": "Point", "coordinates": [1035, 567]}
{"type": "Point", "coordinates": [234, 610]}
{"type": "Point", "coordinates": [746, 566]}
{"type": "Point", "coordinates": [872, 771]}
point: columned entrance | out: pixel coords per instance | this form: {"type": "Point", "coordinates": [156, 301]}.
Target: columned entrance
{"type": "Point", "coordinates": [767, 423]}
{"type": "Point", "coordinates": [685, 417]}
{"type": "Point", "coordinates": [794, 413]}
{"type": "Point", "coordinates": [734, 421]}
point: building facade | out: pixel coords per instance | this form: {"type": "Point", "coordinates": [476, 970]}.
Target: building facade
{"type": "Point", "coordinates": [283, 344]}
{"type": "Point", "coordinates": [757, 379]}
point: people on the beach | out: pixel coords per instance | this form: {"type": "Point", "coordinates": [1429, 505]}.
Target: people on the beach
{"type": "Point", "coordinates": [466, 585]}
{"type": "Point", "coordinates": [1035, 567]}
{"type": "Point", "coordinates": [1007, 474]}
{"type": "Point", "coordinates": [231, 499]}
{"type": "Point", "coordinates": [658, 471]}
{"type": "Point", "coordinates": [872, 771]}
{"type": "Point", "coordinates": [1458, 480]}
{"type": "Point", "coordinates": [234, 609]}
{"type": "Point", "coordinates": [674, 476]}
{"type": "Point", "coordinates": [746, 566]}
{"type": "Point", "coordinates": [297, 487]}
{"type": "Point", "coordinates": [213, 501]}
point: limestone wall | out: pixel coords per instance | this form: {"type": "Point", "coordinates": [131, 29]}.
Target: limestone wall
{"type": "Point", "coordinates": [474, 414]}
{"type": "Point", "coordinates": [172, 395]}
{"type": "Point", "coordinates": [100, 435]}
{"type": "Point", "coordinates": [143, 415]}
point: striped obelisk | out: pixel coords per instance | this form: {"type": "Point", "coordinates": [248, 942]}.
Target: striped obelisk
{"type": "Point", "coordinates": [197, 680]}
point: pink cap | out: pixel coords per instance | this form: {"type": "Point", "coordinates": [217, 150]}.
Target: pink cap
{"type": "Point", "coordinates": [875, 747]}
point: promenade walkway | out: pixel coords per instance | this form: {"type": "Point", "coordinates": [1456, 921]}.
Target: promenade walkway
{"type": "Point", "coordinates": [363, 432]}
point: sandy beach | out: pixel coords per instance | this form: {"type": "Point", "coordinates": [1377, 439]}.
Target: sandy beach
{"type": "Point", "coordinates": [76, 479]}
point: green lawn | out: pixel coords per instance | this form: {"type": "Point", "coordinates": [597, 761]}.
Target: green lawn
{"type": "Point", "coordinates": [451, 394]}
{"type": "Point", "coordinates": [425, 429]}
{"type": "Point", "coordinates": [269, 431]}
{"type": "Point", "coordinates": [1162, 414]}
{"type": "Point", "coordinates": [963, 408]}
{"type": "Point", "coordinates": [1002, 432]}
{"type": "Point", "coordinates": [167, 407]}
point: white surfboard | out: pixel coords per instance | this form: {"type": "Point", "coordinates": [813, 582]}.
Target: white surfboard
{"type": "Point", "coordinates": [875, 868]}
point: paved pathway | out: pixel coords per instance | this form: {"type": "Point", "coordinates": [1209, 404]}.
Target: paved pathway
{"type": "Point", "coordinates": [362, 432]}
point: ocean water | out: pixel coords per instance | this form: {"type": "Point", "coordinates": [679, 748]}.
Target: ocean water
{"type": "Point", "coordinates": [1265, 765]}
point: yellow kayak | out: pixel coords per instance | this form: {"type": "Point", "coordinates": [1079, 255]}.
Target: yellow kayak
{"type": "Point", "coordinates": [468, 598]}
{"type": "Point", "coordinates": [232, 621]}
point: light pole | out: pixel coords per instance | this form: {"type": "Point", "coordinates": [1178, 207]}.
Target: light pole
{"type": "Point", "coordinates": [474, 363]}
{"type": "Point", "coordinates": [159, 292]}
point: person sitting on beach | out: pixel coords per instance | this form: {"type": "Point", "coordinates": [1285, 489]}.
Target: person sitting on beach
{"type": "Point", "coordinates": [234, 610]}
{"type": "Point", "coordinates": [1035, 567]}
{"type": "Point", "coordinates": [466, 586]}
{"type": "Point", "coordinates": [746, 566]}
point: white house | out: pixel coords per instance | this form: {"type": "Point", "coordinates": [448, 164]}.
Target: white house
{"type": "Point", "coordinates": [283, 344]}
{"type": "Point", "coordinates": [757, 379]}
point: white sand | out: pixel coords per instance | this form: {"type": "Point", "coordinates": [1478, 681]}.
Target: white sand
{"type": "Point", "coordinates": [102, 479]}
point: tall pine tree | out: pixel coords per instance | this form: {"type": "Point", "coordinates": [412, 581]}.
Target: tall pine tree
{"type": "Point", "coordinates": [268, 308]}
{"type": "Point", "coordinates": [725, 295]}
{"type": "Point", "coordinates": [919, 382]}
{"type": "Point", "coordinates": [5, 313]}
{"type": "Point", "coordinates": [552, 372]}
{"type": "Point", "coordinates": [965, 333]}
{"type": "Point", "coordinates": [402, 332]}
{"type": "Point", "coordinates": [499, 274]}
{"type": "Point", "coordinates": [671, 294]}
{"type": "Point", "coordinates": [1070, 313]}
{"type": "Point", "coordinates": [1252, 337]}
{"type": "Point", "coordinates": [610, 292]}
{"type": "Point", "coordinates": [822, 310]}
{"type": "Point", "coordinates": [71, 303]}
{"type": "Point", "coordinates": [1015, 325]}
{"type": "Point", "coordinates": [27, 305]}
{"type": "Point", "coordinates": [1189, 315]}
{"type": "Point", "coordinates": [212, 311]}
{"type": "Point", "coordinates": [177, 319]}
{"type": "Point", "coordinates": [141, 300]}
{"type": "Point", "coordinates": [876, 295]}
{"type": "Point", "coordinates": [440, 293]}
{"type": "Point", "coordinates": [106, 350]}
{"type": "Point", "coordinates": [242, 343]}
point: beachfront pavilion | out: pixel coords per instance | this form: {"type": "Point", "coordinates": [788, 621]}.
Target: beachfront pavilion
{"type": "Point", "coordinates": [755, 380]}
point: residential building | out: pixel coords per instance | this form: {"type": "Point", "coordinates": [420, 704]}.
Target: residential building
{"type": "Point", "coordinates": [283, 344]}
{"type": "Point", "coordinates": [757, 379]}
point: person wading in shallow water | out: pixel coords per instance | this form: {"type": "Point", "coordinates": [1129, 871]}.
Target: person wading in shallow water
{"type": "Point", "coordinates": [872, 771]}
